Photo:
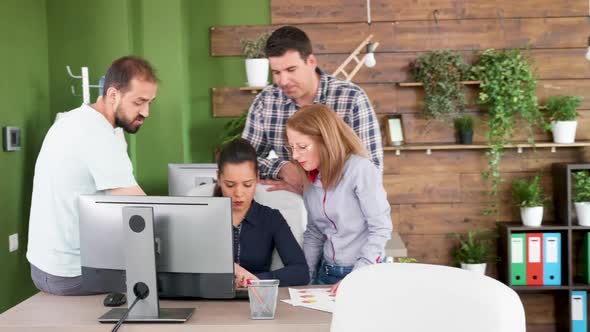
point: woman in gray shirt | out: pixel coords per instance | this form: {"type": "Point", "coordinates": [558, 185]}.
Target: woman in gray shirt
{"type": "Point", "coordinates": [349, 219]}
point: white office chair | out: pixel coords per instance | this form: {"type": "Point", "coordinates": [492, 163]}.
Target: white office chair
{"type": "Point", "coordinates": [289, 204]}
{"type": "Point", "coordinates": [422, 297]}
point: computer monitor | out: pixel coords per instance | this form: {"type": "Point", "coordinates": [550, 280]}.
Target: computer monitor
{"type": "Point", "coordinates": [184, 177]}
{"type": "Point", "coordinates": [194, 244]}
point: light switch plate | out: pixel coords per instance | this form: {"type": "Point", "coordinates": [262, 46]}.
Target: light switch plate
{"type": "Point", "coordinates": [13, 242]}
{"type": "Point", "coordinates": [11, 138]}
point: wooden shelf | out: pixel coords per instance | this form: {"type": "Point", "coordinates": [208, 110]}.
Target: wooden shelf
{"type": "Point", "coordinates": [569, 245]}
{"type": "Point", "coordinates": [519, 227]}
{"type": "Point", "coordinates": [253, 89]}
{"type": "Point", "coordinates": [411, 84]}
{"type": "Point", "coordinates": [517, 145]}
{"type": "Point", "coordinates": [539, 288]}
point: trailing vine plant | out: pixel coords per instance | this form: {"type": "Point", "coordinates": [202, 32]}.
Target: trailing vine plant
{"type": "Point", "coordinates": [508, 90]}
{"type": "Point", "coordinates": [441, 72]}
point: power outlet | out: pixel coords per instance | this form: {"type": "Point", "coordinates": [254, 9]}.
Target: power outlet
{"type": "Point", "coordinates": [13, 242]}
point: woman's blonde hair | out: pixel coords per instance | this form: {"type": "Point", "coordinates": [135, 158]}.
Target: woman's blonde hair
{"type": "Point", "coordinates": [334, 138]}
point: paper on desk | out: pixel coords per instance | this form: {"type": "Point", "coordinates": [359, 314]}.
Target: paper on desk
{"type": "Point", "coordinates": [310, 306]}
{"type": "Point", "coordinates": [313, 298]}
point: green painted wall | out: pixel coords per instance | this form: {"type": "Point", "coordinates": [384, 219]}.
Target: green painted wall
{"type": "Point", "coordinates": [207, 72]}
{"type": "Point", "coordinates": [24, 93]}
{"type": "Point", "coordinates": [40, 38]}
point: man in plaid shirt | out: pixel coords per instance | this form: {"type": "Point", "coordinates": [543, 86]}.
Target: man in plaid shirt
{"type": "Point", "coordinates": [298, 82]}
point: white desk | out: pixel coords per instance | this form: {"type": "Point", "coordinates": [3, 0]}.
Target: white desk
{"type": "Point", "coordinates": [44, 312]}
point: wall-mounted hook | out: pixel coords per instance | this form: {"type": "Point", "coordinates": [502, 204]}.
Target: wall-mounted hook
{"type": "Point", "coordinates": [85, 84]}
{"type": "Point", "coordinates": [70, 73]}
{"type": "Point", "coordinates": [500, 14]}
{"type": "Point", "coordinates": [73, 91]}
{"type": "Point", "coordinates": [435, 14]}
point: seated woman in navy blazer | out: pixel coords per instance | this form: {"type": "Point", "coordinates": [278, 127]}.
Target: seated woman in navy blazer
{"type": "Point", "coordinates": [258, 229]}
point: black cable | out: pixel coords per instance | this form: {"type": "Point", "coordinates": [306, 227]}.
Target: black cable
{"type": "Point", "coordinates": [141, 292]}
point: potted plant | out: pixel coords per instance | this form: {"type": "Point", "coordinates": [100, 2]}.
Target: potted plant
{"type": "Point", "coordinates": [474, 250]}
{"type": "Point", "coordinates": [256, 61]}
{"type": "Point", "coordinates": [529, 197]}
{"type": "Point", "coordinates": [464, 128]}
{"type": "Point", "coordinates": [581, 188]}
{"type": "Point", "coordinates": [441, 72]}
{"type": "Point", "coordinates": [507, 88]}
{"type": "Point", "coordinates": [562, 116]}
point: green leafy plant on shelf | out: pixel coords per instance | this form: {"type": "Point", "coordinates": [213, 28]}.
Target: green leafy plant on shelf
{"type": "Point", "coordinates": [475, 247]}
{"type": "Point", "coordinates": [254, 48]}
{"type": "Point", "coordinates": [562, 108]}
{"type": "Point", "coordinates": [233, 129]}
{"type": "Point", "coordinates": [464, 123]}
{"type": "Point", "coordinates": [581, 186]}
{"type": "Point", "coordinates": [441, 72]}
{"type": "Point", "coordinates": [528, 194]}
{"type": "Point", "coordinates": [507, 88]}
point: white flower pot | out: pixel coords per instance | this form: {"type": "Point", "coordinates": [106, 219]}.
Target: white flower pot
{"type": "Point", "coordinates": [532, 216]}
{"type": "Point", "coordinates": [257, 72]}
{"type": "Point", "coordinates": [477, 268]}
{"type": "Point", "coordinates": [583, 212]}
{"type": "Point", "coordinates": [564, 131]}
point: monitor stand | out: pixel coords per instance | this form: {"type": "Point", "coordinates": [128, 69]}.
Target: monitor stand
{"type": "Point", "coordinates": [140, 258]}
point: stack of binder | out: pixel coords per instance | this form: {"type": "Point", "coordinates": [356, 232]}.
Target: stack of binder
{"type": "Point", "coordinates": [535, 259]}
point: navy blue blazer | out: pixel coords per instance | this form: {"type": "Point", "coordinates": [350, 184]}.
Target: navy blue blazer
{"type": "Point", "coordinates": [262, 230]}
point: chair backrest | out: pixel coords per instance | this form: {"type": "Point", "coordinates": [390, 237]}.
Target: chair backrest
{"type": "Point", "coordinates": [289, 204]}
{"type": "Point", "coordinates": [421, 297]}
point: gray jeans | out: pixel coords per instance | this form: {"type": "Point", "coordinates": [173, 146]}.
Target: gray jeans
{"type": "Point", "coordinates": [56, 285]}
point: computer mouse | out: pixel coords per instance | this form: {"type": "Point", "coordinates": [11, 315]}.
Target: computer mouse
{"type": "Point", "coordinates": [115, 299]}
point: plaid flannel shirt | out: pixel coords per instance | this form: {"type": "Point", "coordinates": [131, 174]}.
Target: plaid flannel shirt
{"type": "Point", "coordinates": [268, 114]}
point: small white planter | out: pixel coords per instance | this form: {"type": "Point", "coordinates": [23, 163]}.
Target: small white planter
{"type": "Point", "coordinates": [564, 131]}
{"type": "Point", "coordinates": [477, 268]}
{"type": "Point", "coordinates": [531, 216]}
{"type": "Point", "coordinates": [583, 212]}
{"type": "Point", "coordinates": [257, 72]}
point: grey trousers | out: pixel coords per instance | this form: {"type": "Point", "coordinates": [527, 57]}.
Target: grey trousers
{"type": "Point", "coordinates": [56, 285]}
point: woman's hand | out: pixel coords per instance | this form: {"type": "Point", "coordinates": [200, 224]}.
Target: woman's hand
{"type": "Point", "coordinates": [334, 288]}
{"type": "Point", "coordinates": [241, 275]}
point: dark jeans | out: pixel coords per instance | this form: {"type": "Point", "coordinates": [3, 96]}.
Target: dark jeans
{"type": "Point", "coordinates": [331, 274]}
{"type": "Point", "coordinates": [56, 285]}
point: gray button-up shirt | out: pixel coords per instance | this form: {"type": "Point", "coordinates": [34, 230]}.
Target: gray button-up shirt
{"type": "Point", "coordinates": [349, 224]}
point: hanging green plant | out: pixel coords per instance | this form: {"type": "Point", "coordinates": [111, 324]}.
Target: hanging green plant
{"type": "Point", "coordinates": [441, 72]}
{"type": "Point", "coordinates": [233, 129]}
{"type": "Point", "coordinates": [508, 90]}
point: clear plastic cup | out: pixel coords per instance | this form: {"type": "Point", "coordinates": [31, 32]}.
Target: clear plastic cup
{"type": "Point", "coordinates": [263, 298]}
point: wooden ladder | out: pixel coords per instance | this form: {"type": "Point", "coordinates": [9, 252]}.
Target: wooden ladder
{"type": "Point", "coordinates": [354, 56]}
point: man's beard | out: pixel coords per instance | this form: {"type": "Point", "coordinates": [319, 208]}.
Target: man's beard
{"type": "Point", "coordinates": [126, 125]}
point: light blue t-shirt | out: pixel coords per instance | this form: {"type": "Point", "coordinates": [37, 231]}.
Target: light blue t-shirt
{"type": "Point", "coordinates": [81, 155]}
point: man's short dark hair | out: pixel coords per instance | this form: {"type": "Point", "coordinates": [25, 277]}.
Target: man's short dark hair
{"type": "Point", "coordinates": [288, 38]}
{"type": "Point", "coordinates": [123, 70]}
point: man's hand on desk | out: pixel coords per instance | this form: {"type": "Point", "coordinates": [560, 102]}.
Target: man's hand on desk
{"type": "Point", "coordinates": [241, 276]}
{"type": "Point", "coordinates": [293, 179]}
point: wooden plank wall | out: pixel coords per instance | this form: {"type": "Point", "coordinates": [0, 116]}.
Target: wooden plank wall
{"type": "Point", "coordinates": [432, 195]}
